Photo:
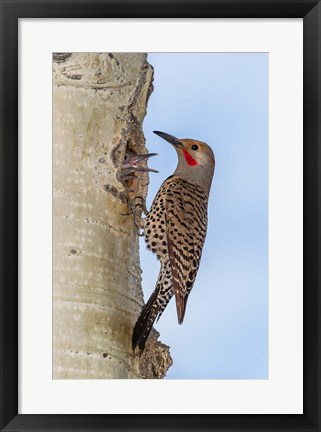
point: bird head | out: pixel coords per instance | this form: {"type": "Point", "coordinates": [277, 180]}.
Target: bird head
{"type": "Point", "coordinates": [196, 161]}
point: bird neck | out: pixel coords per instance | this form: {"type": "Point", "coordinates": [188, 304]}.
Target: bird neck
{"type": "Point", "coordinates": [200, 175]}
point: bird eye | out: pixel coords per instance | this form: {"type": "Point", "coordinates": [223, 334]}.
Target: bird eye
{"type": "Point", "coordinates": [194, 147]}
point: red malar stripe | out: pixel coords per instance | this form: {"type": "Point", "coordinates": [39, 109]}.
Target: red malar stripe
{"type": "Point", "coordinates": [189, 159]}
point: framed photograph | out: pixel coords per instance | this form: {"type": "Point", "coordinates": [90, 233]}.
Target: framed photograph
{"type": "Point", "coordinates": [153, 153]}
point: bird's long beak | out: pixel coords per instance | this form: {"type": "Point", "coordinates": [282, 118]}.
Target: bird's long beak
{"type": "Point", "coordinates": [170, 138]}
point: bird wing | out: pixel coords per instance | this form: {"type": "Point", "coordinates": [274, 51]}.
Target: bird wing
{"type": "Point", "coordinates": [186, 223]}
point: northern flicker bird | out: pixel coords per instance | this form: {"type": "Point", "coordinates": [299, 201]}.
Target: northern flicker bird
{"type": "Point", "coordinates": [175, 230]}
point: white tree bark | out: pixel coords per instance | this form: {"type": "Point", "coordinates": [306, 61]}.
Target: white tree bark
{"type": "Point", "coordinates": [99, 102]}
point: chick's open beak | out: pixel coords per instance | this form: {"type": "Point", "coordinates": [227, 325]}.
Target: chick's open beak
{"type": "Point", "coordinates": [132, 161]}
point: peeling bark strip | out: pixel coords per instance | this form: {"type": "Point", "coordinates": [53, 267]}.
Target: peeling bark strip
{"type": "Point", "coordinates": [99, 102]}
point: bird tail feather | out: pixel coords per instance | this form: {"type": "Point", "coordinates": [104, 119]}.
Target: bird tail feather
{"type": "Point", "coordinates": [145, 322]}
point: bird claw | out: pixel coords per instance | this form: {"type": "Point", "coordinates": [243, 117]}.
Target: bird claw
{"type": "Point", "coordinates": [138, 221]}
{"type": "Point", "coordinates": [142, 204]}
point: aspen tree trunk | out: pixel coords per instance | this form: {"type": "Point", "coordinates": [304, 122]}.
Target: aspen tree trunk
{"type": "Point", "coordinates": [99, 102]}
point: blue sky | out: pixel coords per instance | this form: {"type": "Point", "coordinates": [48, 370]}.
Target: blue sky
{"type": "Point", "coordinates": [221, 99]}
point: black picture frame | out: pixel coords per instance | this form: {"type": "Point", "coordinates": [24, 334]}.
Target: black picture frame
{"type": "Point", "coordinates": [11, 11]}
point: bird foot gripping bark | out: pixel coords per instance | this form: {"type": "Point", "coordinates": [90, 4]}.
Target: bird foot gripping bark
{"type": "Point", "coordinates": [128, 170]}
